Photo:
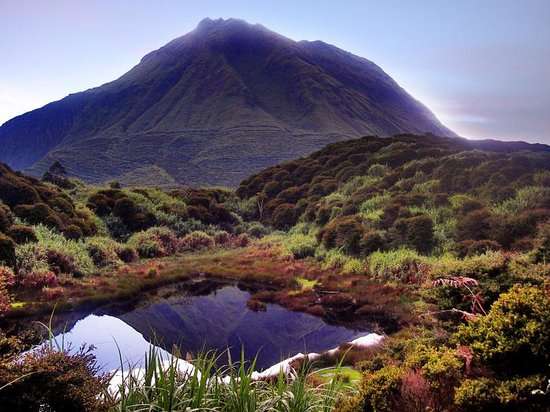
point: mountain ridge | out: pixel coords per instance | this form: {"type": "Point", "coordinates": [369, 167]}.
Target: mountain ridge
{"type": "Point", "coordinates": [214, 105]}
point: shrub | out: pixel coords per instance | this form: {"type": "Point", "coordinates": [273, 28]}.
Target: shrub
{"type": "Point", "coordinates": [381, 389]}
{"type": "Point", "coordinates": [61, 252]}
{"type": "Point", "coordinates": [475, 225]}
{"type": "Point", "coordinates": [475, 247]}
{"type": "Point", "coordinates": [343, 232]}
{"type": "Point", "coordinates": [197, 240]}
{"type": "Point", "coordinates": [300, 245]}
{"type": "Point", "coordinates": [60, 262]}
{"type": "Point", "coordinates": [38, 213]}
{"type": "Point", "coordinates": [542, 246]}
{"type": "Point", "coordinates": [241, 240]}
{"type": "Point", "coordinates": [103, 251]}
{"type": "Point", "coordinates": [371, 242]}
{"type": "Point", "coordinates": [127, 254]}
{"type": "Point", "coordinates": [416, 232]}
{"type": "Point", "coordinates": [22, 234]}
{"type": "Point", "coordinates": [7, 279]}
{"type": "Point", "coordinates": [73, 232]}
{"type": "Point", "coordinates": [39, 279]}
{"type": "Point", "coordinates": [489, 394]}
{"type": "Point", "coordinates": [401, 264]}
{"type": "Point", "coordinates": [154, 242]}
{"type": "Point", "coordinates": [221, 238]}
{"type": "Point", "coordinates": [6, 217]}
{"type": "Point", "coordinates": [7, 250]}
{"type": "Point", "coordinates": [46, 379]}
{"type": "Point", "coordinates": [515, 334]}
{"type": "Point", "coordinates": [284, 216]}
{"type": "Point", "coordinates": [257, 230]}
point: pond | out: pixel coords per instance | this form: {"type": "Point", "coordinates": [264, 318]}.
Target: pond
{"type": "Point", "coordinates": [217, 320]}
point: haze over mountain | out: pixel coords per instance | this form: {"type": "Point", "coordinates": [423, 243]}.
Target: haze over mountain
{"type": "Point", "coordinates": [214, 106]}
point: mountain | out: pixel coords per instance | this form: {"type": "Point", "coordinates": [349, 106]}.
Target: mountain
{"type": "Point", "coordinates": [213, 106]}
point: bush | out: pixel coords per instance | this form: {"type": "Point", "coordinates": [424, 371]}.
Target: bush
{"type": "Point", "coordinates": [64, 254]}
{"type": "Point", "coordinates": [127, 254]}
{"type": "Point", "coordinates": [6, 217]}
{"type": "Point", "coordinates": [345, 232]}
{"type": "Point", "coordinates": [475, 225]}
{"type": "Point", "coordinates": [39, 213]}
{"type": "Point", "coordinates": [39, 279]}
{"type": "Point", "coordinates": [221, 238]}
{"type": "Point", "coordinates": [7, 250]}
{"type": "Point", "coordinates": [154, 242]}
{"type": "Point", "coordinates": [73, 232]}
{"type": "Point", "coordinates": [284, 216]}
{"type": "Point", "coordinates": [515, 334]}
{"type": "Point", "coordinates": [197, 240]}
{"type": "Point", "coordinates": [416, 232]}
{"type": "Point", "coordinates": [542, 245]}
{"type": "Point", "coordinates": [48, 380]}
{"type": "Point", "coordinates": [22, 234]}
{"type": "Point", "coordinates": [381, 389]}
{"type": "Point", "coordinates": [257, 230]}
{"type": "Point", "coordinates": [468, 248]}
{"type": "Point", "coordinates": [103, 251]}
{"type": "Point", "coordinates": [7, 279]}
{"type": "Point", "coordinates": [489, 394]}
{"type": "Point", "coordinates": [300, 245]}
{"type": "Point", "coordinates": [401, 265]}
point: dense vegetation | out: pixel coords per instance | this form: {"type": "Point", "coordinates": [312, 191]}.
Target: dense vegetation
{"type": "Point", "coordinates": [57, 230]}
{"type": "Point", "coordinates": [463, 227]}
{"type": "Point", "coordinates": [445, 243]}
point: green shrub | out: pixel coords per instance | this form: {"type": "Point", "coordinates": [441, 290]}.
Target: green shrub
{"type": "Point", "coordinates": [381, 389]}
{"type": "Point", "coordinates": [103, 251]}
{"type": "Point", "coordinates": [197, 240]}
{"type": "Point", "coordinates": [399, 264]}
{"type": "Point", "coordinates": [345, 232]}
{"type": "Point", "coordinates": [542, 245]}
{"type": "Point", "coordinates": [61, 249]}
{"type": "Point", "coordinates": [489, 394]}
{"type": "Point", "coordinates": [154, 242]}
{"type": "Point", "coordinates": [46, 379]}
{"type": "Point", "coordinates": [284, 216]}
{"type": "Point", "coordinates": [515, 334]}
{"type": "Point", "coordinates": [416, 232]}
{"type": "Point", "coordinates": [256, 229]}
{"type": "Point", "coordinates": [300, 245]}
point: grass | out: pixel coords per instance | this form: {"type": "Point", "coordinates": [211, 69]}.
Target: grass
{"type": "Point", "coordinates": [164, 385]}
{"type": "Point", "coordinates": [306, 284]}
{"type": "Point", "coordinates": [344, 373]}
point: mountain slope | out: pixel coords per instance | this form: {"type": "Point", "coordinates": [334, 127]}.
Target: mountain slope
{"type": "Point", "coordinates": [225, 100]}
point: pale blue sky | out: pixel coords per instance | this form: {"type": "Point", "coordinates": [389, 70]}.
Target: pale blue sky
{"type": "Point", "coordinates": [483, 66]}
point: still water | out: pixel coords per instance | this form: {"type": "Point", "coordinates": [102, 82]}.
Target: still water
{"type": "Point", "coordinates": [219, 320]}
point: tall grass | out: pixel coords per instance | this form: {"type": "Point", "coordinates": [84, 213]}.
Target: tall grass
{"type": "Point", "coordinates": [162, 385]}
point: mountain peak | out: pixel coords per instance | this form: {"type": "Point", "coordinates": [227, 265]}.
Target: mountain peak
{"type": "Point", "coordinates": [208, 24]}
{"type": "Point", "coordinates": [215, 105]}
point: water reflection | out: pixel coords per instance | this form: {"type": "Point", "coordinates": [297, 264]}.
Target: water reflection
{"type": "Point", "coordinates": [216, 321]}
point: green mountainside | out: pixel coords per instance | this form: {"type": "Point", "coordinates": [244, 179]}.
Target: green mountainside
{"type": "Point", "coordinates": [212, 107]}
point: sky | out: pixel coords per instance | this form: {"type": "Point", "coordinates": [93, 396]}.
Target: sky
{"type": "Point", "coordinates": [482, 66]}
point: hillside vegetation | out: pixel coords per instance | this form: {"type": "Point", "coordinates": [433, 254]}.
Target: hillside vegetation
{"type": "Point", "coordinates": [462, 229]}
{"type": "Point", "coordinates": [441, 243]}
{"type": "Point", "coordinates": [210, 107]}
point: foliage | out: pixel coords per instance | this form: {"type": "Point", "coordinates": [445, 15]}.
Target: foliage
{"type": "Point", "coordinates": [515, 333]}
{"type": "Point", "coordinates": [47, 379]}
